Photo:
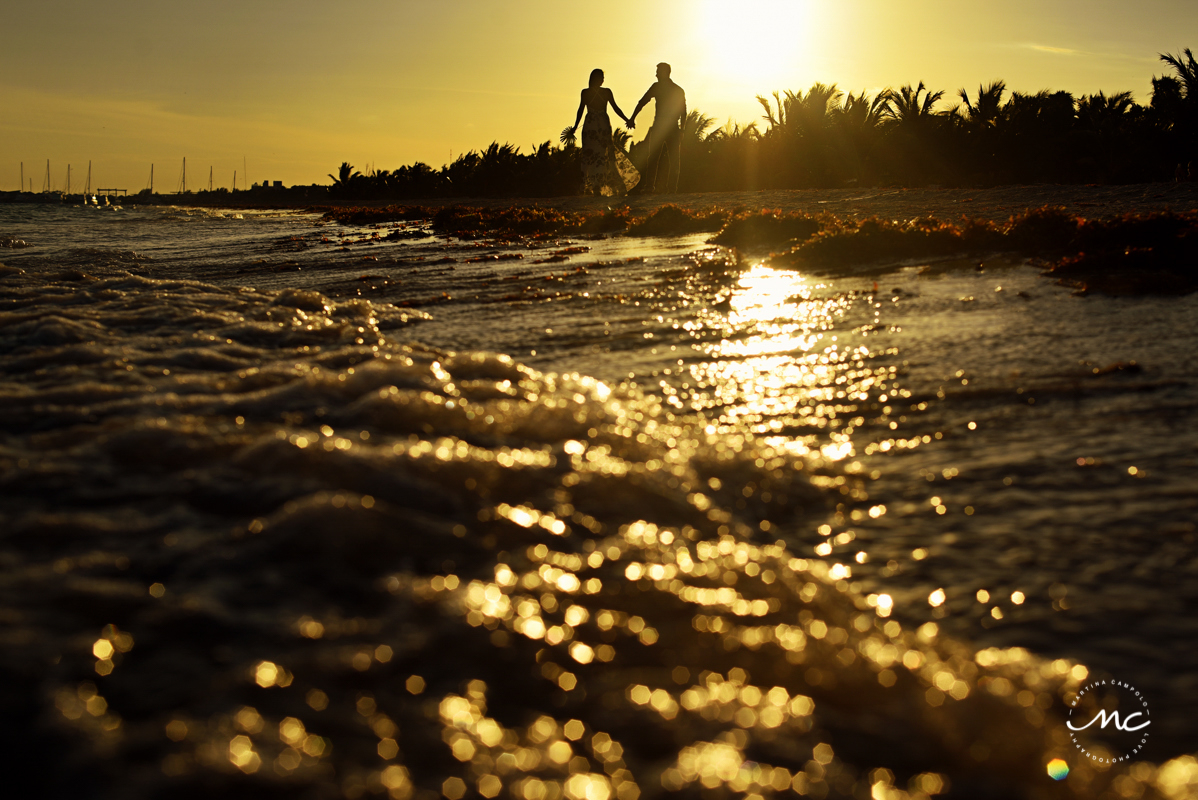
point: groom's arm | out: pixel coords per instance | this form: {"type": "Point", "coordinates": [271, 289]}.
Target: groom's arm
{"type": "Point", "coordinates": [649, 95]}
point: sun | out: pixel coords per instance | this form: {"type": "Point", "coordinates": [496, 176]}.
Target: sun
{"type": "Point", "coordinates": [757, 45]}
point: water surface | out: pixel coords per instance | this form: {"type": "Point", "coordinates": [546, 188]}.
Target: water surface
{"type": "Point", "coordinates": [261, 472]}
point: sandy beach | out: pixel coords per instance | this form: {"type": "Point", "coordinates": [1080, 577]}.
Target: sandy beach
{"type": "Point", "coordinates": [895, 203]}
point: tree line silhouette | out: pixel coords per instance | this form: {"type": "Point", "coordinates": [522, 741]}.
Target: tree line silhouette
{"type": "Point", "coordinates": [824, 138]}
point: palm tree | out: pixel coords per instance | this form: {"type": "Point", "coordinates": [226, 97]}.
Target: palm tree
{"type": "Point", "coordinates": [1167, 99]}
{"type": "Point", "coordinates": [799, 113]}
{"type": "Point", "coordinates": [418, 180]}
{"type": "Point", "coordinates": [856, 124]}
{"type": "Point", "coordinates": [854, 128]}
{"type": "Point", "coordinates": [695, 126]}
{"type": "Point", "coordinates": [907, 107]}
{"type": "Point", "coordinates": [733, 132]}
{"type": "Point", "coordinates": [917, 146]}
{"type": "Point", "coordinates": [345, 175]}
{"type": "Point", "coordinates": [1187, 72]}
{"type": "Point", "coordinates": [728, 159]}
{"type": "Point", "coordinates": [783, 107]}
{"type": "Point", "coordinates": [861, 113]}
{"type": "Point", "coordinates": [986, 112]}
{"type": "Point", "coordinates": [977, 125]}
{"type": "Point", "coordinates": [1187, 111]}
{"type": "Point", "coordinates": [812, 112]}
{"type": "Point", "coordinates": [1100, 113]}
{"type": "Point", "coordinates": [497, 170]}
{"type": "Point", "coordinates": [496, 152]}
{"type": "Point", "coordinates": [1028, 112]}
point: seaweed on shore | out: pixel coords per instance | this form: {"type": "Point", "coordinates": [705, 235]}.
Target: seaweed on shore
{"type": "Point", "coordinates": [368, 215]}
{"type": "Point", "coordinates": [614, 220]}
{"type": "Point", "coordinates": [1170, 268]}
{"type": "Point", "coordinates": [873, 240]}
{"type": "Point", "coordinates": [670, 220]}
{"type": "Point", "coordinates": [1128, 254]}
{"type": "Point", "coordinates": [471, 222]}
{"type": "Point", "coordinates": [768, 230]}
{"type": "Point", "coordinates": [1039, 231]}
{"type": "Point", "coordinates": [841, 243]}
{"type": "Point", "coordinates": [1135, 230]}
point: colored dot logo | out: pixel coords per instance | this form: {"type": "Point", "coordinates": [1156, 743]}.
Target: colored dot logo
{"type": "Point", "coordinates": [1057, 769]}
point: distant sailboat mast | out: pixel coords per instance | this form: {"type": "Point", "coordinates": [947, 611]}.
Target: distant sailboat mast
{"type": "Point", "coordinates": [46, 185]}
{"type": "Point", "coordinates": [87, 189]}
{"type": "Point", "coordinates": [68, 178]}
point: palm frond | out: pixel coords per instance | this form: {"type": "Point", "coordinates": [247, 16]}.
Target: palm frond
{"type": "Point", "coordinates": [1187, 71]}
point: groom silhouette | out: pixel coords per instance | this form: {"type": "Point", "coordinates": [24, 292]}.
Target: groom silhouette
{"type": "Point", "coordinates": [665, 136]}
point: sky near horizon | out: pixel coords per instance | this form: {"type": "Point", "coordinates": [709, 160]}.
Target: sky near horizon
{"type": "Point", "coordinates": [289, 90]}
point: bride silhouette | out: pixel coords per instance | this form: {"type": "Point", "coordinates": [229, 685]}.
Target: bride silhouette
{"type": "Point", "coordinates": [605, 169]}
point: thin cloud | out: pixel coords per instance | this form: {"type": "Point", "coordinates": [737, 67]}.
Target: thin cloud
{"type": "Point", "coordinates": [1044, 48]}
{"type": "Point", "coordinates": [1108, 56]}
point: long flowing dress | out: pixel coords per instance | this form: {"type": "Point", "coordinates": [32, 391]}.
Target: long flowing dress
{"type": "Point", "coordinates": [605, 169]}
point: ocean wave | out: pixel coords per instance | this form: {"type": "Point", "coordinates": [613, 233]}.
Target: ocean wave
{"type": "Point", "coordinates": [257, 542]}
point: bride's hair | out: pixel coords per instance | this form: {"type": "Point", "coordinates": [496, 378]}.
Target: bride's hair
{"type": "Point", "coordinates": [596, 77]}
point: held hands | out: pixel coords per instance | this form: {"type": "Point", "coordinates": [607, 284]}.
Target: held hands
{"type": "Point", "coordinates": [630, 123]}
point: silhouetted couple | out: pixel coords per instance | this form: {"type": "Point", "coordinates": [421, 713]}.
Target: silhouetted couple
{"type": "Point", "coordinates": [606, 170]}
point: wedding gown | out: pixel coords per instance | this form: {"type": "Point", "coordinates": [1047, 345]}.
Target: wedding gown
{"type": "Point", "coordinates": [605, 169]}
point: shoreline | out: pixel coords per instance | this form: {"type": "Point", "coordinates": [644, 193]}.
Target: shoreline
{"type": "Point", "coordinates": [896, 203]}
{"type": "Point", "coordinates": [949, 204]}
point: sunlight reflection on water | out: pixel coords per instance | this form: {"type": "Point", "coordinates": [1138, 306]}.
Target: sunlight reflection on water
{"type": "Point", "coordinates": [779, 371]}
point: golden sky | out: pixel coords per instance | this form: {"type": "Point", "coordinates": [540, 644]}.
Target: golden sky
{"type": "Point", "coordinates": [292, 89]}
